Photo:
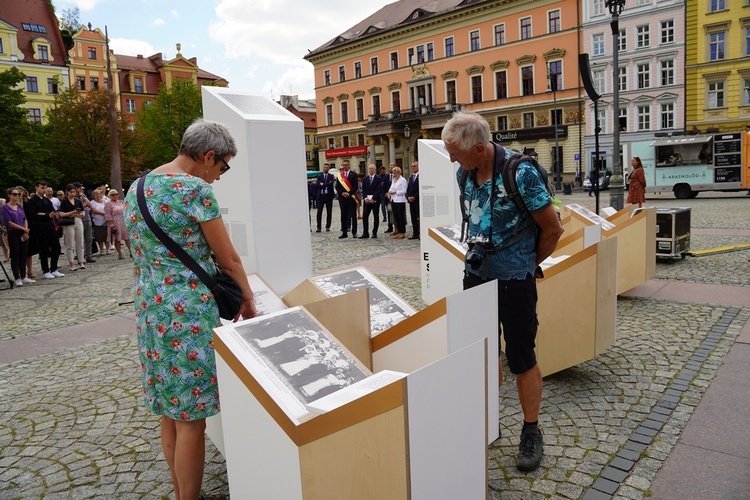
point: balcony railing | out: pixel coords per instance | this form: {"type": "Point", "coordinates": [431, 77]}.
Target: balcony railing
{"type": "Point", "coordinates": [416, 112]}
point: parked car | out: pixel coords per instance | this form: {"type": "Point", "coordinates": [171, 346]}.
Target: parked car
{"type": "Point", "coordinates": [604, 177]}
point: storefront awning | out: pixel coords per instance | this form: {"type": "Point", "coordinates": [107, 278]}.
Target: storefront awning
{"type": "Point", "coordinates": [682, 140]}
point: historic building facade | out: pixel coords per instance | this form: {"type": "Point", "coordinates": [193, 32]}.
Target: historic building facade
{"type": "Point", "coordinates": [305, 111]}
{"type": "Point", "coordinates": [651, 78]}
{"type": "Point", "coordinates": [30, 40]}
{"type": "Point", "coordinates": [718, 65]}
{"type": "Point", "coordinates": [413, 63]}
{"type": "Point", "coordinates": [88, 62]}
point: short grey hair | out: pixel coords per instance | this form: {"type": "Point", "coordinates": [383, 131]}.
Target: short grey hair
{"type": "Point", "coordinates": [466, 130]}
{"type": "Point", "coordinates": [203, 136]}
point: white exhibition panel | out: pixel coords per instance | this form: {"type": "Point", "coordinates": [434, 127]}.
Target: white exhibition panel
{"type": "Point", "coordinates": [259, 455]}
{"type": "Point", "coordinates": [446, 411]}
{"type": "Point", "coordinates": [215, 432]}
{"type": "Point", "coordinates": [421, 347]}
{"type": "Point", "coordinates": [264, 197]}
{"type": "Point", "coordinates": [472, 317]}
{"type": "Point", "coordinates": [438, 195]}
{"type": "Point", "coordinates": [592, 235]}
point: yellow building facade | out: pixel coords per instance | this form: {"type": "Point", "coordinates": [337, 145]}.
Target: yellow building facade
{"type": "Point", "coordinates": [413, 63]}
{"type": "Point", "coordinates": [717, 80]}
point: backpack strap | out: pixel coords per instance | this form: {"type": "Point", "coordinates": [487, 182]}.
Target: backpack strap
{"type": "Point", "coordinates": [511, 190]}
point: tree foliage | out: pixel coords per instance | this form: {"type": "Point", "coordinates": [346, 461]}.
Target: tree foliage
{"type": "Point", "coordinates": [164, 121]}
{"type": "Point", "coordinates": [24, 154]}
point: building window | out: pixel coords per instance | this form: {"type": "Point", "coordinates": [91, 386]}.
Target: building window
{"type": "Point", "coordinates": [42, 52]}
{"type": "Point", "coordinates": [420, 54]}
{"type": "Point", "coordinates": [430, 51]}
{"type": "Point", "coordinates": [528, 120]}
{"type": "Point", "coordinates": [476, 88]}
{"type": "Point", "coordinates": [527, 80]}
{"type": "Point", "coordinates": [329, 114]}
{"type": "Point", "coordinates": [598, 44]}
{"type": "Point", "coordinates": [622, 83]}
{"type": "Point", "coordinates": [410, 56]}
{"type": "Point", "coordinates": [554, 21]}
{"type": "Point", "coordinates": [643, 37]}
{"type": "Point", "coordinates": [525, 28]}
{"type": "Point", "coordinates": [130, 104]}
{"type": "Point", "coordinates": [644, 76]}
{"type": "Point", "coordinates": [36, 28]}
{"type": "Point", "coordinates": [716, 46]}
{"type": "Point", "coordinates": [622, 40]}
{"type": "Point", "coordinates": [360, 139]}
{"type": "Point", "coordinates": [394, 60]}
{"type": "Point", "coordinates": [2, 47]}
{"type": "Point", "coordinates": [376, 106]}
{"type": "Point", "coordinates": [667, 72]}
{"type": "Point", "coordinates": [106, 83]}
{"type": "Point", "coordinates": [35, 115]}
{"type": "Point", "coordinates": [623, 122]}
{"type": "Point", "coordinates": [138, 81]}
{"type": "Point", "coordinates": [81, 82]}
{"type": "Point", "coordinates": [717, 5]}
{"type": "Point", "coordinates": [308, 155]}
{"type": "Point", "coordinates": [499, 34]}
{"type": "Point", "coordinates": [667, 32]}
{"type": "Point", "coordinates": [358, 69]}
{"type": "Point", "coordinates": [746, 92]}
{"type": "Point", "coordinates": [342, 74]}
{"type": "Point", "coordinates": [598, 9]}
{"type": "Point", "coordinates": [94, 83]}
{"type": "Point", "coordinates": [327, 77]}
{"type": "Point", "coordinates": [474, 40]}
{"type": "Point", "coordinates": [556, 115]}
{"type": "Point", "coordinates": [449, 50]}
{"type": "Point", "coordinates": [644, 117]}
{"type": "Point", "coordinates": [345, 141]}
{"type": "Point", "coordinates": [359, 103]}
{"type": "Point", "coordinates": [307, 138]}
{"type": "Point", "coordinates": [396, 101]}
{"type": "Point", "coordinates": [501, 85]}
{"type": "Point", "coordinates": [32, 84]}
{"type": "Point", "coordinates": [555, 74]}
{"type": "Point", "coordinates": [450, 92]}
{"type": "Point", "coordinates": [52, 86]}
{"type": "Point", "coordinates": [716, 95]}
{"type": "Point", "coordinates": [92, 52]}
{"type": "Point", "coordinates": [502, 123]}
{"type": "Point", "coordinates": [373, 65]}
{"type": "Point", "coordinates": [667, 115]}
{"type": "Point", "coordinates": [330, 143]}
{"type": "Point", "coordinates": [601, 121]}
{"type": "Point", "coordinates": [600, 81]}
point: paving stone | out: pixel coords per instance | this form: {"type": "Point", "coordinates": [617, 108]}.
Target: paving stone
{"type": "Point", "coordinates": [605, 486]}
{"type": "Point", "coordinates": [614, 474]}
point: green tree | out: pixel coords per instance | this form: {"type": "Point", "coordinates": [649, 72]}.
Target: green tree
{"type": "Point", "coordinates": [24, 154]}
{"type": "Point", "coordinates": [164, 121]}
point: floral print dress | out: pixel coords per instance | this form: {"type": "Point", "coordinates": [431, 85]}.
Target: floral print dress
{"type": "Point", "coordinates": [175, 312]}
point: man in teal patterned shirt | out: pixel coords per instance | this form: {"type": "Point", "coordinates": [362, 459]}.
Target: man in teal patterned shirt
{"type": "Point", "coordinates": [506, 249]}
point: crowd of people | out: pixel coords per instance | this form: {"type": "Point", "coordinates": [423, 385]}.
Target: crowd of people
{"type": "Point", "coordinates": [66, 223]}
{"type": "Point", "coordinates": [361, 196]}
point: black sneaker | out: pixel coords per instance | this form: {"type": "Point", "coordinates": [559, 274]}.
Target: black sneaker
{"type": "Point", "coordinates": [530, 450]}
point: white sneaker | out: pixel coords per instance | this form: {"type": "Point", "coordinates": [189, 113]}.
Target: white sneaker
{"type": "Point", "coordinates": [19, 283]}
{"type": "Point", "coordinates": [28, 281]}
{"type": "Point", "coordinates": [48, 276]}
{"type": "Point", "coordinates": [57, 274]}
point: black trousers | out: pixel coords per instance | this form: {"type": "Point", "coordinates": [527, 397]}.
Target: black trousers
{"type": "Point", "coordinates": [348, 214]}
{"type": "Point", "coordinates": [49, 247]}
{"type": "Point", "coordinates": [328, 204]}
{"type": "Point", "coordinates": [375, 209]}
{"type": "Point", "coordinates": [414, 214]}
{"type": "Point", "coordinates": [17, 249]}
{"type": "Point", "coordinates": [399, 217]}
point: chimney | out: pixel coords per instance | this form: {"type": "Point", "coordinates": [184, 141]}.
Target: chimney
{"type": "Point", "coordinates": [289, 100]}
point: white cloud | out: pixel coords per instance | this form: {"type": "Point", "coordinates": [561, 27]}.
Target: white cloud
{"type": "Point", "coordinates": [296, 80]}
{"type": "Point", "coordinates": [83, 4]}
{"type": "Point", "coordinates": [158, 21]}
{"type": "Point", "coordinates": [130, 47]}
{"type": "Point", "coordinates": [174, 13]}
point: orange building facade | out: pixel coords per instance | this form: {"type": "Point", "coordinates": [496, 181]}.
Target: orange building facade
{"type": "Point", "coordinates": [87, 61]}
{"type": "Point", "coordinates": [414, 63]}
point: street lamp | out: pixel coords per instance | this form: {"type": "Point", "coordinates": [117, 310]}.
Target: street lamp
{"type": "Point", "coordinates": [617, 183]}
{"type": "Point", "coordinates": [407, 134]}
{"type": "Point", "coordinates": [553, 86]}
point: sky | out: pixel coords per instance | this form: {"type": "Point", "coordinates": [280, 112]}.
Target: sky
{"type": "Point", "coordinates": [257, 45]}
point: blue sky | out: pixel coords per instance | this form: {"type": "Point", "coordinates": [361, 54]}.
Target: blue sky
{"type": "Point", "coordinates": [258, 45]}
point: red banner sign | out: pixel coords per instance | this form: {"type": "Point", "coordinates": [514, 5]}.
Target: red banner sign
{"type": "Point", "coordinates": [339, 153]}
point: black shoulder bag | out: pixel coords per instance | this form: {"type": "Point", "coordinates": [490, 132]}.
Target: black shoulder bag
{"type": "Point", "coordinates": [226, 291]}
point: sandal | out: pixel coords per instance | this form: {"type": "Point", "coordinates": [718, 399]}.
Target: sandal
{"type": "Point", "coordinates": [72, 267]}
{"type": "Point", "coordinates": [81, 265]}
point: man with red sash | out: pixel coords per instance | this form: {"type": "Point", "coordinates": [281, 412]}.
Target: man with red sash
{"type": "Point", "coordinates": [346, 187]}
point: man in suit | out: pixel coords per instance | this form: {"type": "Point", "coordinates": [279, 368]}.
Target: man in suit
{"type": "Point", "coordinates": [325, 196]}
{"type": "Point", "coordinates": [372, 192]}
{"type": "Point", "coordinates": [412, 196]}
{"type": "Point", "coordinates": [387, 180]}
{"type": "Point", "coordinates": [346, 187]}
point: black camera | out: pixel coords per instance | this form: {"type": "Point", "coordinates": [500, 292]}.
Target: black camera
{"type": "Point", "coordinates": [479, 247]}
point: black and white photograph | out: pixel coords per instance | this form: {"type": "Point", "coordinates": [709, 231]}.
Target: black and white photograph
{"type": "Point", "coordinates": [266, 301]}
{"type": "Point", "coordinates": [386, 308]}
{"type": "Point", "coordinates": [592, 216]}
{"type": "Point", "coordinates": [453, 234]}
{"type": "Point", "coordinates": [301, 354]}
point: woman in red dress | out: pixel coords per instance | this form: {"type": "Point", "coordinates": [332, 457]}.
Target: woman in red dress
{"type": "Point", "coordinates": [637, 186]}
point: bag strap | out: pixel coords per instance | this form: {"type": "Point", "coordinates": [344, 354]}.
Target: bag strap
{"type": "Point", "coordinates": [171, 245]}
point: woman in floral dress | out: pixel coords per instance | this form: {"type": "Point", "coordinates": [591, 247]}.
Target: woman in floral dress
{"type": "Point", "coordinates": [175, 311]}
{"type": "Point", "coordinates": [114, 214]}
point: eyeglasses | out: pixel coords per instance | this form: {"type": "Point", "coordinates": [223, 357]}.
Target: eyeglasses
{"type": "Point", "coordinates": [455, 158]}
{"type": "Point", "coordinates": [15, 194]}
{"type": "Point", "coordinates": [226, 166]}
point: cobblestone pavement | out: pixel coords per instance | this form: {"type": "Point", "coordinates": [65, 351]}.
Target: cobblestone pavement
{"type": "Point", "coordinates": [74, 426]}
